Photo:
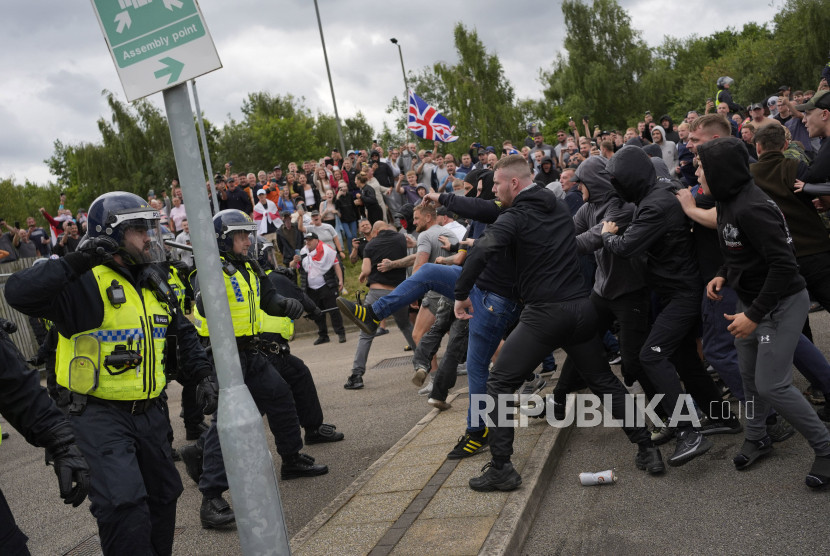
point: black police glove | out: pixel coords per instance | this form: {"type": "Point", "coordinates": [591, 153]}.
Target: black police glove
{"type": "Point", "coordinates": [316, 314]}
{"type": "Point", "coordinates": [69, 462]}
{"type": "Point", "coordinates": [290, 308]}
{"type": "Point", "coordinates": [91, 252]}
{"type": "Point", "coordinates": [9, 327]}
{"type": "Point", "coordinates": [207, 395]}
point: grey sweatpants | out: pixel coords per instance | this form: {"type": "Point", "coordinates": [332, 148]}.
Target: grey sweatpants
{"type": "Point", "coordinates": [765, 359]}
{"type": "Point", "coordinates": [364, 343]}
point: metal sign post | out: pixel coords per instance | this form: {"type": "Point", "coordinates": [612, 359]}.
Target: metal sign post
{"type": "Point", "coordinates": [159, 45]}
{"type": "Point", "coordinates": [248, 462]}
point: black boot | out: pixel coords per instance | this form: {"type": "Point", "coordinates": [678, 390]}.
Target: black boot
{"type": "Point", "coordinates": [301, 465]}
{"type": "Point", "coordinates": [323, 433]}
{"type": "Point", "coordinates": [215, 512]}
{"type": "Point", "coordinates": [195, 431]}
{"type": "Point", "coordinates": [192, 457]}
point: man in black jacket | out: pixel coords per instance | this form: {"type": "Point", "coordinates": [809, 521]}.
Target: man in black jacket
{"type": "Point", "coordinates": [772, 302]}
{"type": "Point", "coordinates": [537, 230]}
{"type": "Point", "coordinates": [661, 230]}
{"type": "Point", "coordinates": [27, 406]}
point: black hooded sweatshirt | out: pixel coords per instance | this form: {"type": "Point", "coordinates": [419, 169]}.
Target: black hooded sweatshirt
{"type": "Point", "coordinates": [659, 227]}
{"type": "Point", "coordinates": [759, 258]}
{"type": "Point", "coordinates": [538, 232]}
{"type": "Point", "coordinates": [542, 177]}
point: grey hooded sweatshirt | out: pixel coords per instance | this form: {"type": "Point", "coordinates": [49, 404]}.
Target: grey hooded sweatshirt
{"type": "Point", "coordinates": [615, 275]}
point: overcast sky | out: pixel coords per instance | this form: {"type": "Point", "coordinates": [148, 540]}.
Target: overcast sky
{"type": "Point", "coordinates": [55, 62]}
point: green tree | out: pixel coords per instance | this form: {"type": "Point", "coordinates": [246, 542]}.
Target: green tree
{"type": "Point", "coordinates": [606, 58]}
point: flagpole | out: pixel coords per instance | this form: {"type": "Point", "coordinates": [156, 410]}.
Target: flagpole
{"type": "Point", "coordinates": [331, 85]}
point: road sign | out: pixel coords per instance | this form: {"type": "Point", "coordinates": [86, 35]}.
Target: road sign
{"type": "Point", "coordinates": [156, 44]}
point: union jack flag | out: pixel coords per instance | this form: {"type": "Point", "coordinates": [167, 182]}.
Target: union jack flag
{"type": "Point", "coordinates": [427, 123]}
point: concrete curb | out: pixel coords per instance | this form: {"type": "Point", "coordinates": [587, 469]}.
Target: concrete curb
{"type": "Point", "coordinates": [304, 534]}
{"type": "Point", "coordinates": [511, 528]}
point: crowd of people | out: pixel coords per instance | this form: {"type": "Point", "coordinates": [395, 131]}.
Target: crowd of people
{"type": "Point", "coordinates": [698, 245]}
{"type": "Point", "coordinates": [686, 253]}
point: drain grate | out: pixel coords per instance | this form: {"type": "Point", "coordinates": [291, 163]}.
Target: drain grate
{"type": "Point", "coordinates": [394, 362]}
{"type": "Point", "coordinates": [92, 546]}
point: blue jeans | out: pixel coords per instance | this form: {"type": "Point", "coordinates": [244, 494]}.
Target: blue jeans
{"type": "Point", "coordinates": [350, 232]}
{"type": "Point", "coordinates": [438, 277]}
{"type": "Point", "coordinates": [718, 343]}
{"type": "Point", "coordinates": [493, 315]}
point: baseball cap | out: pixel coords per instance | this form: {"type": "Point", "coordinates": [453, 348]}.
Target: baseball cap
{"type": "Point", "coordinates": [277, 167]}
{"type": "Point", "coordinates": [260, 192]}
{"type": "Point", "coordinates": [310, 235]}
{"type": "Point", "coordinates": [285, 213]}
{"type": "Point", "coordinates": [490, 149]}
{"type": "Point", "coordinates": [315, 213]}
{"type": "Point", "coordinates": [512, 151]}
{"type": "Point", "coordinates": [350, 152]}
{"type": "Point", "coordinates": [756, 106]}
{"type": "Point", "coordinates": [820, 100]}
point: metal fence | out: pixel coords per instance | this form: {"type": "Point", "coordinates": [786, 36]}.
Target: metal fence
{"type": "Point", "coordinates": [24, 338]}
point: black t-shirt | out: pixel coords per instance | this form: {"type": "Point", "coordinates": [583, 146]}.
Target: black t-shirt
{"type": "Point", "coordinates": [238, 199]}
{"type": "Point", "coordinates": [386, 245]}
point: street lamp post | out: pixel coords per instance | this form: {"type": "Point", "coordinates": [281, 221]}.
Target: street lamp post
{"type": "Point", "coordinates": [400, 53]}
{"type": "Point", "coordinates": [331, 85]}
{"type": "Point", "coordinates": [405, 84]}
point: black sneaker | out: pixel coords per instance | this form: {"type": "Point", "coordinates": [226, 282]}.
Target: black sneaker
{"type": "Point", "coordinates": [361, 315]}
{"type": "Point", "coordinates": [690, 444]}
{"type": "Point", "coordinates": [503, 479]}
{"type": "Point", "coordinates": [651, 460]}
{"type": "Point", "coordinates": [341, 338]}
{"type": "Point", "coordinates": [192, 457]}
{"type": "Point", "coordinates": [819, 475]}
{"type": "Point", "coordinates": [752, 451]}
{"type": "Point", "coordinates": [321, 340]}
{"type": "Point", "coordinates": [469, 445]}
{"type": "Point", "coordinates": [354, 382]}
{"type": "Point", "coordinates": [215, 512]}
{"type": "Point", "coordinates": [614, 358]}
{"type": "Point", "coordinates": [323, 433]}
{"type": "Point", "coordinates": [194, 432]}
{"type": "Point", "coordinates": [726, 426]}
{"type": "Point", "coordinates": [781, 430]}
{"type": "Point", "coordinates": [301, 465]}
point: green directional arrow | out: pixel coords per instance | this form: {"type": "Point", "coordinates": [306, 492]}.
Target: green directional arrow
{"type": "Point", "coordinates": [173, 68]}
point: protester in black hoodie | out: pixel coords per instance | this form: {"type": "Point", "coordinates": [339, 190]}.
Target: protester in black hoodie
{"type": "Point", "coordinates": [547, 172]}
{"type": "Point", "coordinates": [537, 229]}
{"type": "Point", "coordinates": [759, 263]}
{"type": "Point", "coordinates": [661, 230]}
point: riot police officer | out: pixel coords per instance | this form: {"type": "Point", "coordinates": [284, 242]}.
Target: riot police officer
{"type": "Point", "coordinates": [114, 313]}
{"type": "Point", "coordinates": [30, 410]}
{"type": "Point", "coordinates": [249, 295]}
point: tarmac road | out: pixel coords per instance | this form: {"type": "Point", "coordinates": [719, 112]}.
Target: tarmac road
{"type": "Point", "coordinates": [704, 507]}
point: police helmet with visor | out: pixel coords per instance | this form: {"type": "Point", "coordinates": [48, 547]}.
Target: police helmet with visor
{"type": "Point", "coordinates": [128, 226]}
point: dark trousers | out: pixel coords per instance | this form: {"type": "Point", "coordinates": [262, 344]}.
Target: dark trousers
{"type": "Point", "coordinates": [326, 298]}
{"type": "Point", "coordinates": [274, 399]}
{"type": "Point", "coordinates": [298, 377]}
{"type": "Point", "coordinates": [631, 311]}
{"type": "Point", "coordinates": [134, 482]}
{"type": "Point", "coordinates": [816, 272]}
{"type": "Point", "coordinates": [12, 539]}
{"type": "Point", "coordinates": [542, 328]}
{"type": "Point", "coordinates": [671, 350]}
{"type": "Point", "coordinates": [456, 352]}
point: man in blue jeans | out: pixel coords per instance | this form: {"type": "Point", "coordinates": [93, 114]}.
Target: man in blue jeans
{"type": "Point", "coordinates": [493, 298]}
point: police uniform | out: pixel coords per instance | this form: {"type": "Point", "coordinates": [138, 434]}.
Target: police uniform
{"type": "Point", "coordinates": [113, 325]}
{"type": "Point", "coordinates": [31, 411]}
{"type": "Point", "coordinates": [247, 294]}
